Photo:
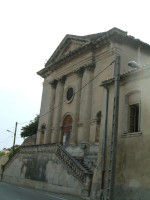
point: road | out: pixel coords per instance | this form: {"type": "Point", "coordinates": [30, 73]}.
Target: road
{"type": "Point", "coordinates": [13, 192]}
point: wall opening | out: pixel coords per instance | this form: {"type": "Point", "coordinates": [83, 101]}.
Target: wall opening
{"type": "Point", "coordinates": [134, 118]}
{"type": "Point", "coordinates": [42, 133]}
{"type": "Point", "coordinates": [66, 131]}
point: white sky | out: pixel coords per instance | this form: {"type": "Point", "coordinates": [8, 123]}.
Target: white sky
{"type": "Point", "coordinates": [30, 30]}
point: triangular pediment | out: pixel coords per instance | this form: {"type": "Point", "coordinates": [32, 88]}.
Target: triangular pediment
{"type": "Point", "coordinates": [70, 47]}
{"type": "Point", "coordinates": [69, 44]}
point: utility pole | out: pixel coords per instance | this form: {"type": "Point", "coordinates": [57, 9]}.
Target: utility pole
{"type": "Point", "coordinates": [113, 148]}
{"type": "Point", "coordinates": [14, 138]}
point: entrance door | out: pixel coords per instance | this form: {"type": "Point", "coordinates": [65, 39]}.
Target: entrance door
{"type": "Point", "coordinates": [66, 131]}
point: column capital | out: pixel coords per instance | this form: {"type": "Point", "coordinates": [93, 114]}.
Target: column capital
{"type": "Point", "coordinates": [62, 79]}
{"type": "Point", "coordinates": [90, 66]}
{"type": "Point", "coordinates": [53, 83]}
{"type": "Point", "coordinates": [79, 71]}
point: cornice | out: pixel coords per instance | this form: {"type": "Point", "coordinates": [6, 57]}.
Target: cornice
{"type": "Point", "coordinates": [45, 72]}
{"type": "Point", "coordinates": [50, 68]}
{"type": "Point", "coordinates": [71, 55]}
{"type": "Point", "coordinates": [90, 42]}
{"type": "Point", "coordinates": [53, 83]}
{"type": "Point", "coordinates": [88, 66]}
{"type": "Point", "coordinates": [79, 71]}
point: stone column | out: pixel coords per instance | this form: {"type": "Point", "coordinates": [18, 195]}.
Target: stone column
{"type": "Point", "coordinates": [47, 138]}
{"type": "Point", "coordinates": [76, 110]}
{"type": "Point", "coordinates": [58, 110]}
{"type": "Point", "coordinates": [88, 104]}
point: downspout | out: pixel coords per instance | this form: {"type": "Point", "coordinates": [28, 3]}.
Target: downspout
{"type": "Point", "coordinates": [105, 138]}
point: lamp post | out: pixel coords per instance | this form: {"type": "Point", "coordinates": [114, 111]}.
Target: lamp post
{"type": "Point", "coordinates": [14, 137]}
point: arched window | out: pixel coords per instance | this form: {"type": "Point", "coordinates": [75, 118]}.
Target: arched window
{"type": "Point", "coordinates": [42, 130]}
{"type": "Point", "coordinates": [43, 127]}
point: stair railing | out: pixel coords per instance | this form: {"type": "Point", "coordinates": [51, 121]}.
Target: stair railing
{"type": "Point", "coordinates": [76, 169]}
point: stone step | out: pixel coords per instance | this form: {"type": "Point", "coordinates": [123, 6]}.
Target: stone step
{"type": "Point", "coordinates": [81, 161]}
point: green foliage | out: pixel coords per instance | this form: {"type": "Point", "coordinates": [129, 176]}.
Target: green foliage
{"type": "Point", "coordinates": [31, 128]}
{"type": "Point", "coordinates": [10, 154]}
{"type": "Point", "coordinates": [2, 154]}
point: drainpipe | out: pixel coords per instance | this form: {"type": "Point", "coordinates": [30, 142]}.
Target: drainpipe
{"type": "Point", "coordinates": [105, 138]}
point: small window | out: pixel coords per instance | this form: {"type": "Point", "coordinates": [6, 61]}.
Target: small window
{"type": "Point", "coordinates": [43, 127]}
{"type": "Point", "coordinates": [134, 118]}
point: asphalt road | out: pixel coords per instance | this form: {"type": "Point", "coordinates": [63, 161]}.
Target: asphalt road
{"type": "Point", "coordinates": [13, 192]}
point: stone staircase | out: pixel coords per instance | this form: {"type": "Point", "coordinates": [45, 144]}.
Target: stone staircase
{"type": "Point", "coordinates": [74, 165]}
{"type": "Point", "coordinates": [83, 164]}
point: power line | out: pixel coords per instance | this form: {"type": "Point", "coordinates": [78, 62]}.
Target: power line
{"type": "Point", "coordinates": [25, 122]}
{"type": "Point", "coordinates": [74, 93]}
{"type": "Point", "coordinates": [7, 141]}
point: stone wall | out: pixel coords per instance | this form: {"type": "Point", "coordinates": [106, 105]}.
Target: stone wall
{"type": "Point", "coordinates": [3, 160]}
{"type": "Point", "coordinates": [48, 167]}
{"type": "Point", "coordinates": [30, 140]}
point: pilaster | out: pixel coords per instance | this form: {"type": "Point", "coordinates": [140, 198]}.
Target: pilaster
{"type": "Point", "coordinates": [76, 110]}
{"type": "Point", "coordinates": [47, 138]}
{"type": "Point", "coordinates": [87, 112]}
{"type": "Point", "coordinates": [58, 109]}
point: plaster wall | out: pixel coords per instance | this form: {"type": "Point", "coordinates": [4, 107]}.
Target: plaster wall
{"type": "Point", "coordinates": [42, 171]}
{"type": "Point", "coordinates": [133, 149]}
{"type": "Point", "coordinates": [132, 167]}
{"type": "Point", "coordinates": [133, 172]}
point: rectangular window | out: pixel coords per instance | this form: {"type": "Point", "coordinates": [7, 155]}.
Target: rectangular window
{"type": "Point", "coordinates": [134, 118]}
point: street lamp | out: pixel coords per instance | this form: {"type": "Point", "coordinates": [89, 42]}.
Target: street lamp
{"type": "Point", "coordinates": [14, 137]}
{"type": "Point", "coordinates": [9, 131]}
{"type": "Point", "coordinates": [133, 64]}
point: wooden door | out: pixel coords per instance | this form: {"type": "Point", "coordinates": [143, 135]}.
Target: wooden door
{"type": "Point", "coordinates": [66, 131]}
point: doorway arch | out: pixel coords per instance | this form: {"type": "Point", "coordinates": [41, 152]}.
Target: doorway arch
{"type": "Point", "coordinates": [66, 131]}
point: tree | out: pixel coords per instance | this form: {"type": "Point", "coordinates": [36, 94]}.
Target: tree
{"type": "Point", "coordinates": [31, 128]}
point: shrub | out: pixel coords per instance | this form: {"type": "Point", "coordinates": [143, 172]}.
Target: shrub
{"type": "Point", "coordinates": [10, 154]}
{"type": "Point", "coordinates": [2, 153]}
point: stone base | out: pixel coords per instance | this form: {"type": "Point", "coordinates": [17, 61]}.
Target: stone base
{"type": "Point", "coordinates": [131, 193]}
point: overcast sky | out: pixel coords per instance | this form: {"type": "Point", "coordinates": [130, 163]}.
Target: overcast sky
{"type": "Point", "coordinates": [30, 31]}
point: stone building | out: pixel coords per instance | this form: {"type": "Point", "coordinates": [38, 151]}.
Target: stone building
{"type": "Point", "coordinates": [76, 120]}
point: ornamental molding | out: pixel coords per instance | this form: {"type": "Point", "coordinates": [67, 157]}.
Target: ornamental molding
{"type": "Point", "coordinates": [53, 83]}
{"type": "Point", "coordinates": [79, 71]}
{"type": "Point", "coordinates": [94, 121]}
{"type": "Point", "coordinates": [90, 67]}
{"type": "Point", "coordinates": [62, 79]}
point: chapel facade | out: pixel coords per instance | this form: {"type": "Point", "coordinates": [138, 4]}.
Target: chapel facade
{"type": "Point", "coordinates": [73, 150]}
{"type": "Point", "coordinates": [75, 103]}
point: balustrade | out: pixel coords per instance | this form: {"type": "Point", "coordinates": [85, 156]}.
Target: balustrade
{"type": "Point", "coordinates": [77, 170]}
